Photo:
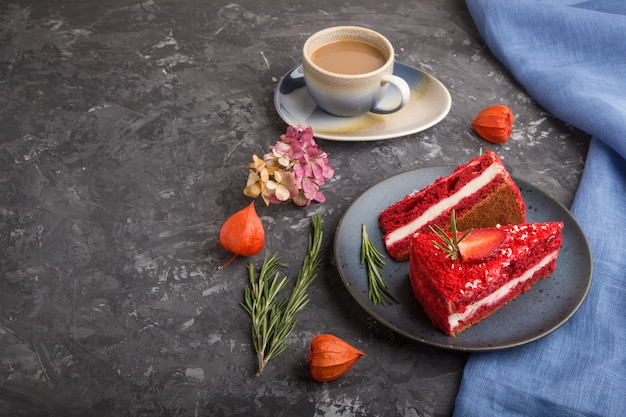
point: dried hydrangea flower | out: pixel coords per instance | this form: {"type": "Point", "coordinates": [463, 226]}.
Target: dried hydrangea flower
{"type": "Point", "coordinates": [295, 169]}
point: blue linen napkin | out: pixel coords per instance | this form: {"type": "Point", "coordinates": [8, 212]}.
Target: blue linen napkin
{"type": "Point", "coordinates": [571, 57]}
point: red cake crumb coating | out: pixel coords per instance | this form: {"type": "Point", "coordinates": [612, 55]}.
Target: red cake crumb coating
{"type": "Point", "coordinates": [483, 201]}
{"type": "Point", "coordinates": [447, 289]}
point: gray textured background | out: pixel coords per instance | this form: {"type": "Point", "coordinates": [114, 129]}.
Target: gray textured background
{"type": "Point", "coordinates": [125, 128]}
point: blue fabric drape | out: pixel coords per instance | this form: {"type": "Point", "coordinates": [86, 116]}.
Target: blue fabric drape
{"type": "Point", "coordinates": [571, 57]}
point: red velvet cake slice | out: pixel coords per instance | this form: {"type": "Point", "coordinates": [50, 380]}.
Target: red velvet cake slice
{"type": "Point", "coordinates": [457, 293]}
{"type": "Point", "coordinates": [481, 192]}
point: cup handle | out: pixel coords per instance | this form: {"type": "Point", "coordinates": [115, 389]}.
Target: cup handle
{"type": "Point", "coordinates": [402, 87]}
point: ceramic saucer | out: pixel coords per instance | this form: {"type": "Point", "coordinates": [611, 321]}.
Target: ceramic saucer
{"type": "Point", "coordinates": [429, 104]}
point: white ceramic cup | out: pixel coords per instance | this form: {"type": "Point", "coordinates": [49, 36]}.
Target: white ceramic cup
{"type": "Point", "coordinates": [344, 94]}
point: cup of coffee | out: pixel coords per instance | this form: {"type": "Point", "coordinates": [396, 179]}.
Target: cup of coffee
{"type": "Point", "coordinates": [348, 69]}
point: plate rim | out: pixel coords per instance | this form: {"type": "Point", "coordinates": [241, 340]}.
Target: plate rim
{"type": "Point", "coordinates": [369, 307]}
{"type": "Point", "coordinates": [366, 138]}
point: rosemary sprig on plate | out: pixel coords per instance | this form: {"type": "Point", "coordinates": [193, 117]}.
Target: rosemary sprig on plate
{"type": "Point", "coordinates": [450, 245]}
{"type": "Point", "coordinates": [375, 261]}
{"type": "Point", "coordinates": [273, 320]}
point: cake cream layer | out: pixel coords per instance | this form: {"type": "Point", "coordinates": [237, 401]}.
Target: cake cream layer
{"type": "Point", "coordinates": [501, 293]}
{"type": "Point", "coordinates": [446, 204]}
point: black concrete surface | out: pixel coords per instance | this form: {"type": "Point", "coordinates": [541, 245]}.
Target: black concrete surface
{"type": "Point", "coordinates": [125, 128]}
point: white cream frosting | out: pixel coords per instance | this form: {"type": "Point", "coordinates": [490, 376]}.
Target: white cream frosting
{"type": "Point", "coordinates": [445, 204]}
{"type": "Point", "coordinates": [500, 293]}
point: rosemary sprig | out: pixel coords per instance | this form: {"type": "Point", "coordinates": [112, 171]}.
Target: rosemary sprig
{"type": "Point", "coordinates": [260, 301]}
{"type": "Point", "coordinates": [377, 287]}
{"type": "Point", "coordinates": [273, 320]}
{"type": "Point", "coordinates": [450, 245]}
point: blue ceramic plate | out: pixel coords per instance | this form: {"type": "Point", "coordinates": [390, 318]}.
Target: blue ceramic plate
{"type": "Point", "coordinates": [429, 104]}
{"type": "Point", "coordinates": [534, 314]}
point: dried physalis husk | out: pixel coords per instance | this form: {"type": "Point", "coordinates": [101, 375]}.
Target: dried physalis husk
{"type": "Point", "coordinates": [494, 123]}
{"type": "Point", "coordinates": [242, 233]}
{"type": "Point", "coordinates": [330, 357]}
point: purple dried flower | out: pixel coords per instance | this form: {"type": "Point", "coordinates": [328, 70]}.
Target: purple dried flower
{"type": "Point", "coordinates": [304, 167]}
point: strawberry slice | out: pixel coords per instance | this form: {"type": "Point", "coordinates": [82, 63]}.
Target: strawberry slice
{"type": "Point", "coordinates": [481, 244]}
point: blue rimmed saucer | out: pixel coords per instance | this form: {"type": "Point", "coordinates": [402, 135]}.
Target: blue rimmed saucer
{"type": "Point", "coordinates": [430, 102]}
